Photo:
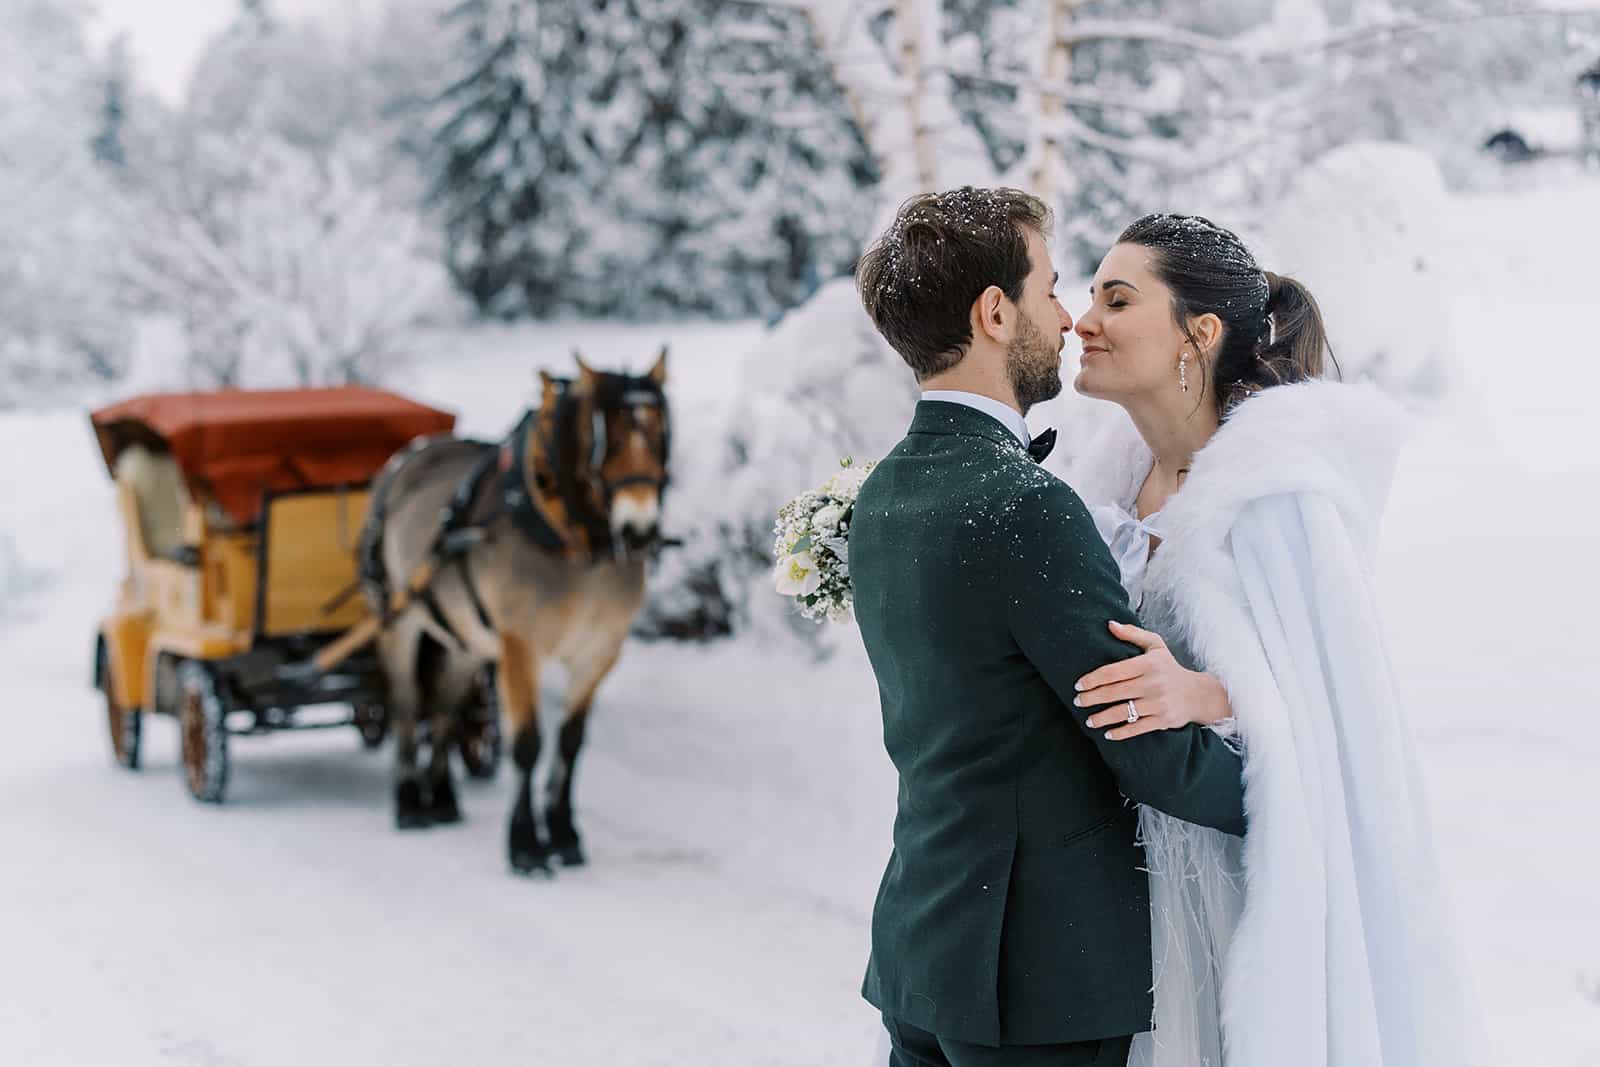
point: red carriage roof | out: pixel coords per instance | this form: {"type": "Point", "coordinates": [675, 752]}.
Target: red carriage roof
{"type": "Point", "coordinates": [234, 445]}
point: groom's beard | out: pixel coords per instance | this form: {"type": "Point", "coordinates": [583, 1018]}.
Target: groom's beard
{"type": "Point", "coordinates": [1034, 366]}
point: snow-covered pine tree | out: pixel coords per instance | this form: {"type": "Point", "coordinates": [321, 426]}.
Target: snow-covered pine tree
{"type": "Point", "coordinates": [745, 169]}
{"type": "Point", "coordinates": [640, 158]}
{"type": "Point", "coordinates": [513, 172]}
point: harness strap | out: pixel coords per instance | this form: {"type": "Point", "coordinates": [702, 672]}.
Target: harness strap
{"type": "Point", "coordinates": [505, 467]}
{"type": "Point", "coordinates": [472, 593]}
{"type": "Point", "coordinates": [455, 537]}
{"type": "Point", "coordinates": [511, 491]}
{"type": "Point", "coordinates": [431, 602]}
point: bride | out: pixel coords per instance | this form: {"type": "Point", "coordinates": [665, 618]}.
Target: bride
{"type": "Point", "coordinates": [1241, 497]}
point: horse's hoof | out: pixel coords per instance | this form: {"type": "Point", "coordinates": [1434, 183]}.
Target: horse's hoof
{"type": "Point", "coordinates": [530, 865]}
{"type": "Point", "coordinates": [443, 809]}
{"type": "Point", "coordinates": [572, 855]}
{"type": "Point", "coordinates": [528, 852]}
{"type": "Point", "coordinates": [409, 814]}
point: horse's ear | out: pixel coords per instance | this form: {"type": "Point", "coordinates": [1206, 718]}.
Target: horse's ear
{"type": "Point", "coordinates": [658, 373]}
{"type": "Point", "coordinates": [587, 376]}
{"type": "Point", "coordinates": [547, 387]}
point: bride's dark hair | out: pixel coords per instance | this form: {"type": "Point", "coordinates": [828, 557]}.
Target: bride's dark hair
{"type": "Point", "coordinates": [1272, 332]}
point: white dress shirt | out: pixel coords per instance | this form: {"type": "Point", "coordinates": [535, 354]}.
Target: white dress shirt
{"type": "Point", "coordinates": [1007, 416]}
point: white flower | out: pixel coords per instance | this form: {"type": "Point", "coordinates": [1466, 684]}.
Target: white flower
{"type": "Point", "coordinates": [826, 521]}
{"type": "Point", "coordinates": [811, 544]}
{"type": "Point", "coordinates": [797, 575]}
{"type": "Point", "coordinates": [847, 483]}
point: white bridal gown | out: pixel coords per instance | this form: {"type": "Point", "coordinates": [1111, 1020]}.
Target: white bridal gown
{"type": "Point", "coordinates": [1324, 939]}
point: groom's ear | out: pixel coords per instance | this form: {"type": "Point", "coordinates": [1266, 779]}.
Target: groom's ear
{"type": "Point", "coordinates": [991, 315]}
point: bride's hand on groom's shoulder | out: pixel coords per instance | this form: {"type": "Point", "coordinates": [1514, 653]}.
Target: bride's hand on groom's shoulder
{"type": "Point", "coordinates": [1165, 694]}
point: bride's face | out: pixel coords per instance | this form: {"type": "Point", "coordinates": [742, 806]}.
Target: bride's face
{"type": "Point", "coordinates": [1131, 343]}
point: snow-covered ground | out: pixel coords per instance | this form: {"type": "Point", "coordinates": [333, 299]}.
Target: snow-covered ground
{"type": "Point", "coordinates": [735, 797]}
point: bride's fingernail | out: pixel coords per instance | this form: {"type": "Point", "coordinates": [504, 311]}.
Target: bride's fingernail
{"type": "Point", "coordinates": [1077, 702]}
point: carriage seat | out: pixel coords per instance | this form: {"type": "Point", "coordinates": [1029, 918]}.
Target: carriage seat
{"type": "Point", "coordinates": [158, 489]}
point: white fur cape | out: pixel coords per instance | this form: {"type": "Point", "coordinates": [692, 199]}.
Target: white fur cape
{"type": "Point", "coordinates": [1337, 950]}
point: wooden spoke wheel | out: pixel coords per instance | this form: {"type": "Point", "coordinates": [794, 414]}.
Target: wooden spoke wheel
{"type": "Point", "coordinates": [202, 716]}
{"type": "Point", "coordinates": [481, 747]}
{"type": "Point", "coordinates": [372, 720]}
{"type": "Point", "coordinates": [124, 724]}
{"type": "Point", "coordinates": [480, 738]}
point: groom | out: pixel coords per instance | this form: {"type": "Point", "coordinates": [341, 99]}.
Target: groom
{"type": "Point", "coordinates": [1012, 925]}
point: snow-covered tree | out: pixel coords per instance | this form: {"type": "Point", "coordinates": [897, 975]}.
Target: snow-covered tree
{"type": "Point", "coordinates": [644, 157]}
{"type": "Point", "coordinates": [116, 87]}
{"type": "Point", "coordinates": [1108, 109]}
{"type": "Point", "coordinates": [745, 171]}
{"type": "Point", "coordinates": [61, 322]}
{"type": "Point", "coordinates": [1588, 90]}
{"type": "Point", "coordinates": [268, 217]}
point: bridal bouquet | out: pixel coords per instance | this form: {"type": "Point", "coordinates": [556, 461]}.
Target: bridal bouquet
{"type": "Point", "coordinates": [811, 544]}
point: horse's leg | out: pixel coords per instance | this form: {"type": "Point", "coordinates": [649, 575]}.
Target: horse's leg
{"type": "Point", "coordinates": [397, 651]}
{"type": "Point", "coordinates": [518, 679]}
{"type": "Point", "coordinates": [436, 677]}
{"type": "Point", "coordinates": [585, 679]}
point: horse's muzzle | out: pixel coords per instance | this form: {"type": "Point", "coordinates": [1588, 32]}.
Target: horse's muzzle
{"type": "Point", "coordinates": [639, 538]}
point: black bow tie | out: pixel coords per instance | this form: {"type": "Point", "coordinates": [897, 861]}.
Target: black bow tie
{"type": "Point", "coordinates": [1042, 444]}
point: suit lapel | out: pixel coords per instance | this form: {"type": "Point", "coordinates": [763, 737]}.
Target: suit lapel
{"type": "Point", "coordinates": [945, 419]}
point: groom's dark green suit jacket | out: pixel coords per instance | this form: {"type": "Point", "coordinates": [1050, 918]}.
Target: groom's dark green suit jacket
{"type": "Point", "coordinates": [1014, 909]}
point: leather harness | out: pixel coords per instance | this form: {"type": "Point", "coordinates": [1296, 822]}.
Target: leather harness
{"type": "Point", "coordinates": [501, 480]}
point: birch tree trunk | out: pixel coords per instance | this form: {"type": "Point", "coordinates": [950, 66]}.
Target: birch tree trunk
{"type": "Point", "coordinates": [918, 30]}
{"type": "Point", "coordinates": [1045, 149]}
{"type": "Point", "coordinates": [897, 87]}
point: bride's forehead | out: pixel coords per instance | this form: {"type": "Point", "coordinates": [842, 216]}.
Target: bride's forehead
{"type": "Point", "coordinates": [1129, 262]}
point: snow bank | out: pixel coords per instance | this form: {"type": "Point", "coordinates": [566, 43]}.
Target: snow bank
{"type": "Point", "coordinates": [820, 386]}
{"type": "Point", "coordinates": [18, 580]}
{"type": "Point", "coordinates": [1366, 228]}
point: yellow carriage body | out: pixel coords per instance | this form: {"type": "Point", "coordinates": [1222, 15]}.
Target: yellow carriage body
{"type": "Point", "coordinates": [243, 514]}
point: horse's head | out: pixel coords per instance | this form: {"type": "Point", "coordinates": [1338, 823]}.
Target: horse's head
{"type": "Point", "coordinates": [623, 439]}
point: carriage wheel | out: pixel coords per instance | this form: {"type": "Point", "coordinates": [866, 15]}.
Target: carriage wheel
{"type": "Point", "coordinates": [373, 722]}
{"type": "Point", "coordinates": [480, 740]}
{"type": "Point", "coordinates": [480, 746]}
{"type": "Point", "coordinates": [125, 724]}
{"type": "Point", "coordinates": [201, 719]}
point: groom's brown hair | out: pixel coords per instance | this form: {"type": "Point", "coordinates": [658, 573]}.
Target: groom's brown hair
{"type": "Point", "coordinates": [919, 280]}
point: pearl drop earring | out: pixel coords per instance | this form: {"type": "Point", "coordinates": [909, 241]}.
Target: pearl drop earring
{"type": "Point", "coordinates": [1183, 372]}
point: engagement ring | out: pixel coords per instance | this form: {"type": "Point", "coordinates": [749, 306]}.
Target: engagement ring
{"type": "Point", "coordinates": [1133, 712]}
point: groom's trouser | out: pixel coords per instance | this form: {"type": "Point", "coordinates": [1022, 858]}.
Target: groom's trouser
{"type": "Point", "coordinates": [913, 1047]}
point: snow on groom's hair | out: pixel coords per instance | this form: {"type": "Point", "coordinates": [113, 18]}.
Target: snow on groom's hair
{"type": "Point", "coordinates": [919, 280]}
{"type": "Point", "coordinates": [1272, 331]}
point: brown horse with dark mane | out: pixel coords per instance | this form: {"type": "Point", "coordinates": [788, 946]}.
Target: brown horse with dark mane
{"type": "Point", "coordinates": [535, 548]}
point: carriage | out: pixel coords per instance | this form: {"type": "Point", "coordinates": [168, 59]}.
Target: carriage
{"type": "Point", "coordinates": [242, 512]}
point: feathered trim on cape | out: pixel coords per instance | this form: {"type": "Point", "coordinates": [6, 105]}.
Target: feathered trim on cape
{"type": "Point", "coordinates": [1267, 559]}
{"type": "Point", "coordinates": [1336, 440]}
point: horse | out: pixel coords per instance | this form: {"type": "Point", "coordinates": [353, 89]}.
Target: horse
{"type": "Point", "coordinates": [537, 546]}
